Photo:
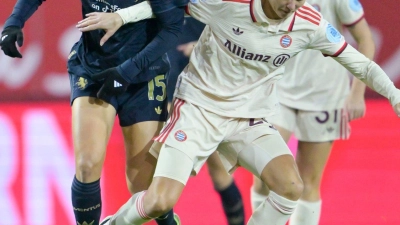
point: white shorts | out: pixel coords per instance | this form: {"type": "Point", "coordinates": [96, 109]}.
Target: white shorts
{"type": "Point", "coordinates": [314, 126]}
{"type": "Point", "coordinates": [196, 132]}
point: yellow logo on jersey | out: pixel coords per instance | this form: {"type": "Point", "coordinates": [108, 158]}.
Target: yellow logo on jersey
{"type": "Point", "coordinates": [82, 82]}
{"type": "Point", "coordinates": [71, 54]}
{"type": "Point", "coordinates": [85, 223]}
{"type": "Point", "coordinates": [158, 110]}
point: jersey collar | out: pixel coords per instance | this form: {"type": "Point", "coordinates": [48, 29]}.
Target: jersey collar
{"type": "Point", "coordinates": [258, 16]}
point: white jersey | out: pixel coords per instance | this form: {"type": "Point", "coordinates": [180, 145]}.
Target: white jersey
{"type": "Point", "coordinates": [312, 81]}
{"type": "Point", "coordinates": [234, 67]}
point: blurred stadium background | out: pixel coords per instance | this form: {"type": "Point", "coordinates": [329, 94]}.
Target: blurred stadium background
{"type": "Point", "coordinates": [361, 185]}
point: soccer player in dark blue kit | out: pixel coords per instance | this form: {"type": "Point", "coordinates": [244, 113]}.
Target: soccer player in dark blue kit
{"type": "Point", "coordinates": [125, 76]}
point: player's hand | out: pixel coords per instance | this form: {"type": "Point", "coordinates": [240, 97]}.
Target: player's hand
{"type": "Point", "coordinates": [110, 22]}
{"type": "Point", "coordinates": [355, 107]}
{"type": "Point", "coordinates": [397, 109]}
{"type": "Point", "coordinates": [114, 83]}
{"type": "Point", "coordinates": [9, 36]}
{"type": "Point", "coordinates": [186, 48]}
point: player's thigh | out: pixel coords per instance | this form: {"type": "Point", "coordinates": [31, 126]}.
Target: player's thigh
{"type": "Point", "coordinates": [269, 158]}
{"type": "Point", "coordinates": [322, 126]}
{"type": "Point", "coordinates": [220, 177]}
{"type": "Point", "coordinates": [92, 118]}
{"type": "Point", "coordinates": [173, 170]}
{"type": "Point", "coordinates": [140, 164]}
{"type": "Point", "coordinates": [284, 121]}
{"type": "Point", "coordinates": [92, 122]}
{"type": "Point", "coordinates": [192, 130]}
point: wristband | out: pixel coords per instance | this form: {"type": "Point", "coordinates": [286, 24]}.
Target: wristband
{"type": "Point", "coordinates": [136, 13]}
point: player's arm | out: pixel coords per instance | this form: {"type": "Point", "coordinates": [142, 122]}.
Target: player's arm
{"type": "Point", "coordinates": [111, 22]}
{"type": "Point", "coordinates": [170, 15]}
{"type": "Point", "coordinates": [371, 74]}
{"type": "Point", "coordinates": [12, 32]}
{"type": "Point", "coordinates": [171, 20]}
{"type": "Point", "coordinates": [355, 103]}
{"type": "Point", "coordinates": [331, 43]}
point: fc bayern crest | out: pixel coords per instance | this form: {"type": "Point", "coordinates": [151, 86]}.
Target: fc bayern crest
{"type": "Point", "coordinates": [180, 136]}
{"type": "Point", "coordinates": [286, 41]}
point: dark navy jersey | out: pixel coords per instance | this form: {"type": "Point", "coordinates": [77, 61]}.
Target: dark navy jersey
{"type": "Point", "coordinates": [128, 49]}
{"type": "Point", "coordinates": [129, 40]}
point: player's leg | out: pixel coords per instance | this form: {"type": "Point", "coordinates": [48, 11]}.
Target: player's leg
{"type": "Point", "coordinates": [183, 151]}
{"type": "Point", "coordinates": [284, 122]}
{"type": "Point", "coordinates": [281, 177]}
{"type": "Point", "coordinates": [225, 186]}
{"type": "Point", "coordinates": [142, 117]}
{"type": "Point", "coordinates": [172, 172]}
{"type": "Point", "coordinates": [315, 131]}
{"type": "Point", "coordinates": [92, 122]}
{"type": "Point", "coordinates": [311, 159]}
{"type": "Point", "coordinates": [261, 150]}
{"type": "Point", "coordinates": [140, 164]}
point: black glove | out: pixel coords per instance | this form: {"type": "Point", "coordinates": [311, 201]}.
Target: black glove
{"type": "Point", "coordinates": [9, 36]}
{"type": "Point", "coordinates": [113, 84]}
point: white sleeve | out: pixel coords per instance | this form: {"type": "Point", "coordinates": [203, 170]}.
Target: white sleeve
{"type": "Point", "coordinates": [369, 72]}
{"type": "Point", "coordinates": [349, 12]}
{"type": "Point", "coordinates": [328, 40]}
{"type": "Point", "coordinates": [136, 12]}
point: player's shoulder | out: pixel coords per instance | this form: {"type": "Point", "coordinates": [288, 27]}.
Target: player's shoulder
{"type": "Point", "coordinates": [307, 18]}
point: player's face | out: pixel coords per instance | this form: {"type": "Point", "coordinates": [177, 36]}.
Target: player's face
{"type": "Point", "coordinates": [281, 9]}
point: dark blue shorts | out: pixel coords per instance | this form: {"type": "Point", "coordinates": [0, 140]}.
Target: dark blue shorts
{"type": "Point", "coordinates": [145, 101]}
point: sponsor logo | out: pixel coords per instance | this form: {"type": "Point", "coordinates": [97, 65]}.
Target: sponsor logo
{"type": "Point", "coordinates": [281, 59]}
{"type": "Point", "coordinates": [237, 31]}
{"type": "Point", "coordinates": [242, 52]}
{"type": "Point", "coordinates": [180, 136]}
{"type": "Point", "coordinates": [71, 54]}
{"type": "Point", "coordinates": [286, 41]}
{"type": "Point", "coordinates": [87, 209]}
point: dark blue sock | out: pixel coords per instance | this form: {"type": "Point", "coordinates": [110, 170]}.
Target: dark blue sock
{"type": "Point", "coordinates": [166, 219]}
{"type": "Point", "coordinates": [86, 202]}
{"type": "Point", "coordinates": [233, 204]}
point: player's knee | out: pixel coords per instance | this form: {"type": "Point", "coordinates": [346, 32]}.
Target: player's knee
{"type": "Point", "coordinates": [87, 169]}
{"type": "Point", "coordinates": [291, 189]}
{"type": "Point", "coordinates": [294, 189]}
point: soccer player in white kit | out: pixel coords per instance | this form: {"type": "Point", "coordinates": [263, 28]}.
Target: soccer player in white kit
{"type": "Point", "coordinates": [226, 95]}
{"type": "Point", "coordinates": [316, 106]}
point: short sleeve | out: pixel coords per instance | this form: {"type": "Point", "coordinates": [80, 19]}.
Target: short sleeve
{"type": "Point", "coordinates": [349, 12]}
